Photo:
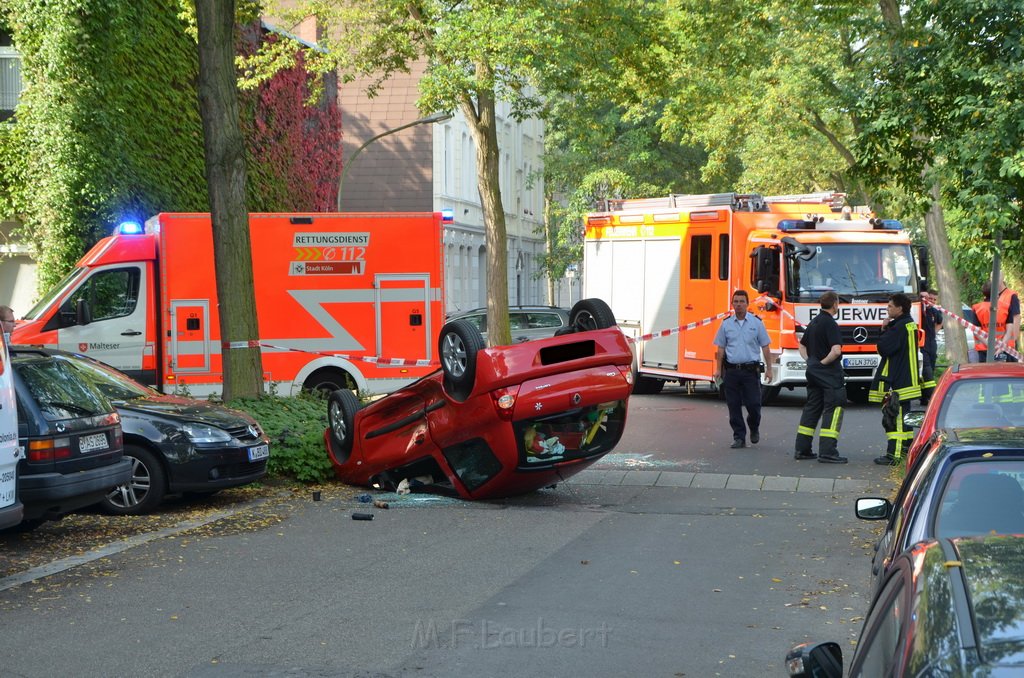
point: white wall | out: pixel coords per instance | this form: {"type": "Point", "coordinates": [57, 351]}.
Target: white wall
{"type": "Point", "coordinates": [455, 188]}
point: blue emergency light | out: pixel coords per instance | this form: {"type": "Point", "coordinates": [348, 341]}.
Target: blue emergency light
{"type": "Point", "coordinates": [129, 228]}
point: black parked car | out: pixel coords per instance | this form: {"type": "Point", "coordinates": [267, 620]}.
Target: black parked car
{"type": "Point", "coordinates": [948, 607]}
{"type": "Point", "coordinates": [967, 482]}
{"type": "Point", "coordinates": [175, 445]}
{"type": "Point", "coordinates": [70, 434]}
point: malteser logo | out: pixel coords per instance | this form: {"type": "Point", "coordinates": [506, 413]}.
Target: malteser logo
{"type": "Point", "coordinates": [97, 346]}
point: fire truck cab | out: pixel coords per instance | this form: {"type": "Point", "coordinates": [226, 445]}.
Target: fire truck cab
{"type": "Point", "coordinates": [673, 264]}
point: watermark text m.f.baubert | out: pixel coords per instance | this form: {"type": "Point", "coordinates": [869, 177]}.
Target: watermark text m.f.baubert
{"type": "Point", "coordinates": [485, 635]}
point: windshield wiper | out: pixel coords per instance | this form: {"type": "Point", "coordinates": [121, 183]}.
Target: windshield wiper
{"type": "Point", "coordinates": [70, 407]}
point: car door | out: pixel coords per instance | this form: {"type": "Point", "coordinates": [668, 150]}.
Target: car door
{"type": "Point", "coordinates": [880, 648]}
{"type": "Point", "coordinates": [116, 332]}
{"type": "Point", "coordinates": [10, 451]}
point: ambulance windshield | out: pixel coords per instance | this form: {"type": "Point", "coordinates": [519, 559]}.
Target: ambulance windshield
{"type": "Point", "coordinates": [55, 292]}
{"type": "Point", "coordinates": [869, 272]}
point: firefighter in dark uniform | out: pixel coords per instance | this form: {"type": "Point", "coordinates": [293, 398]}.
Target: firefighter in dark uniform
{"type": "Point", "coordinates": [931, 320]}
{"type": "Point", "coordinates": [896, 380]}
{"type": "Point", "coordinates": [822, 348]}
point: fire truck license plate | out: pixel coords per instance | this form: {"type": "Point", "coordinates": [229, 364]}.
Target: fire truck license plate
{"type": "Point", "coordinates": [866, 361]}
{"type": "Point", "coordinates": [259, 452]}
{"type": "Point", "coordinates": [97, 441]}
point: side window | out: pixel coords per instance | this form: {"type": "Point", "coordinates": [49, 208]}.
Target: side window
{"type": "Point", "coordinates": [700, 257]}
{"type": "Point", "coordinates": [541, 320]}
{"type": "Point", "coordinates": [723, 256]}
{"type": "Point", "coordinates": [480, 320]}
{"type": "Point", "coordinates": [517, 321]}
{"type": "Point", "coordinates": [883, 631]}
{"type": "Point", "coordinates": [109, 294]}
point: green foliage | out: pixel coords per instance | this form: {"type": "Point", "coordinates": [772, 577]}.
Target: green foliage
{"type": "Point", "coordinates": [108, 126]}
{"type": "Point", "coordinates": [295, 427]}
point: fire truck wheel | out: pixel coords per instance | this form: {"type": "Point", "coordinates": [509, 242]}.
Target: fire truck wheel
{"type": "Point", "coordinates": [648, 386]}
{"type": "Point", "coordinates": [857, 392]}
{"type": "Point", "coordinates": [458, 345]}
{"type": "Point", "coordinates": [342, 406]}
{"type": "Point", "coordinates": [591, 314]}
{"type": "Point", "coordinates": [769, 394]}
{"type": "Point", "coordinates": [144, 491]}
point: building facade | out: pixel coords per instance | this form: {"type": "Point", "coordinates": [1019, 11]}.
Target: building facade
{"type": "Point", "coordinates": [432, 167]}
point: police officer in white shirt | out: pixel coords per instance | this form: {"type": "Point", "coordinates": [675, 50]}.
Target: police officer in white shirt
{"type": "Point", "coordinates": [742, 341]}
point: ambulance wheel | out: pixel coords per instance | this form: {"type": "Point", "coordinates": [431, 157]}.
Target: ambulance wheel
{"type": "Point", "coordinates": [591, 314]}
{"type": "Point", "coordinates": [327, 380]}
{"type": "Point", "coordinates": [458, 345]}
{"type": "Point", "coordinates": [144, 491]}
{"type": "Point", "coordinates": [342, 406]}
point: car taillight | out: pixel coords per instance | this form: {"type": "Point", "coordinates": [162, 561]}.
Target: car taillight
{"type": "Point", "coordinates": [49, 449]}
{"type": "Point", "coordinates": [627, 373]}
{"type": "Point", "coordinates": [504, 402]}
{"type": "Point", "coordinates": [118, 438]}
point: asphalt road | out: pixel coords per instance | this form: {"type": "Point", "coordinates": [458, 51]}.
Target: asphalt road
{"type": "Point", "coordinates": [676, 556]}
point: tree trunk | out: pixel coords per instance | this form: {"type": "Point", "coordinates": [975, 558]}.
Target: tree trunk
{"type": "Point", "coordinates": [943, 272]}
{"type": "Point", "coordinates": [549, 238]}
{"type": "Point", "coordinates": [225, 180]}
{"type": "Point", "coordinates": [483, 125]}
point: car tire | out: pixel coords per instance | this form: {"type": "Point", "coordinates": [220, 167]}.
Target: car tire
{"type": "Point", "coordinates": [144, 491]}
{"type": "Point", "coordinates": [342, 406]}
{"type": "Point", "coordinates": [591, 314]}
{"type": "Point", "coordinates": [458, 345]}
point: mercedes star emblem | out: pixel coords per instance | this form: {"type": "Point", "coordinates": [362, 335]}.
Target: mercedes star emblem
{"type": "Point", "coordinates": [860, 334]}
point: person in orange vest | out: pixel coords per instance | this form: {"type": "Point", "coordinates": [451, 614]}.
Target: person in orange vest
{"type": "Point", "coordinates": [1007, 320]}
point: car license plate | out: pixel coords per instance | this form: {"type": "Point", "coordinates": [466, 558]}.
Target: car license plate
{"type": "Point", "coordinates": [259, 452]}
{"type": "Point", "coordinates": [865, 361]}
{"type": "Point", "coordinates": [91, 443]}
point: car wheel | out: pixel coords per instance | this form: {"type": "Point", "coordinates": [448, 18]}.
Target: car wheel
{"type": "Point", "coordinates": [144, 491]}
{"type": "Point", "coordinates": [458, 345]}
{"type": "Point", "coordinates": [341, 417]}
{"type": "Point", "coordinates": [591, 314]}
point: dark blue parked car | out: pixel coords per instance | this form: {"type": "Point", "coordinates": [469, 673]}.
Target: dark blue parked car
{"type": "Point", "coordinates": [947, 607]}
{"type": "Point", "coordinates": [966, 482]}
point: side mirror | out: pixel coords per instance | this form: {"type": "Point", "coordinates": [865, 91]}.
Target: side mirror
{"type": "Point", "coordinates": [83, 314]}
{"type": "Point", "coordinates": [913, 419]}
{"type": "Point", "coordinates": [823, 660]}
{"type": "Point", "coordinates": [872, 508]}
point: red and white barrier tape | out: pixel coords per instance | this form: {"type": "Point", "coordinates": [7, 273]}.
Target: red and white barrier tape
{"type": "Point", "coordinates": [377, 360]}
{"type": "Point", "coordinates": [681, 328]}
{"type": "Point", "coordinates": [982, 334]}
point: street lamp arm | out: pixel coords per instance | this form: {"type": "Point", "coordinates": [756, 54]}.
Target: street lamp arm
{"type": "Point", "coordinates": [436, 117]}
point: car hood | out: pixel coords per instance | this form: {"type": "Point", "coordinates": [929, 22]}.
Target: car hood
{"type": "Point", "coordinates": [175, 407]}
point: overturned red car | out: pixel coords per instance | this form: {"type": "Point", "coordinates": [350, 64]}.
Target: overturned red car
{"type": "Point", "coordinates": [492, 422]}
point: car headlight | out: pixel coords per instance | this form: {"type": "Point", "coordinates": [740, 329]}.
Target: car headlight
{"type": "Point", "coordinates": [203, 433]}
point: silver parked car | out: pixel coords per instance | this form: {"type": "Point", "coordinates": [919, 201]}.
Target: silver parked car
{"type": "Point", "coordinates": [526, 322]}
